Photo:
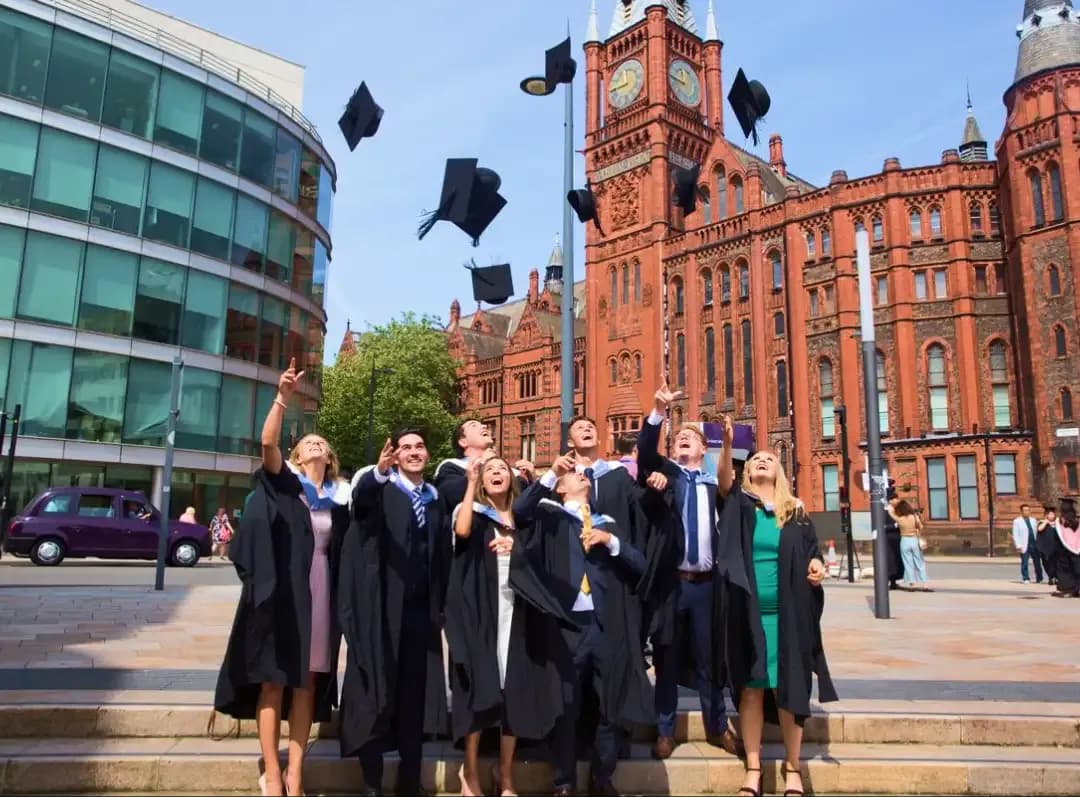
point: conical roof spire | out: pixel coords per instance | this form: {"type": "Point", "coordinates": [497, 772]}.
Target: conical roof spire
{"type": "Point", "coordinates": [553, 274]}
{"type": "Point", "coordinates": [973, 146]}
{"type": "Point", "coordinates": [592, 32]}
{"type": "Point", "coordinates": [1049, 37]}
{"type": "Point", "coordinates": [711, 33]}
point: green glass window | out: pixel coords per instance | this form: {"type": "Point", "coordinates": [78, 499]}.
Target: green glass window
{"type": "Point", "coordinates": [18, 151]}
{"type": "Point", "coordinates": [11, 251]}
{"type": "Point", "coordinates": [65, 175]}
{"type": "Point", "coordinates": [108, 291]}
{"type": "Point", "coordinates": [25, 43]}
{"type": "Point", "coordinates": [242, 324]}
{"type": "Point", "coordinates": [39, 379]}
{"type": "Point", "coordinates": [98, 388]}
{"type": "Point", "coordinates": [168, 205]}
{"type": "Point", "coordinates": [264, 399]}
{"type": "Point", "coordinates": [179, 113]}
{"type": "Point", "coordinates": [279, 247]}
{"type": "Point", "coordinates": [5, 359]}
{"type": "Point", "coordinates": [131, 94]}
{"type": "Point", "coordinates": [146, 411]}
{"type": "Point", "coordinates": [119, 189]}
{"type": "Point", "coordinates": [319, 272]}
{"type": "Point", "coordinates": [204, 312]}
{"type": "Point", "coordinates": [236, 424]}
{"type": "Point", "coordinates": [272, 333]}
{"type": "Point", "coordinates": [287, 166]}
{"type": "Point", "coordinates": [199, 400]}
{"type": "Point", "coordinates": [222, 126]}
{"type": "Point", "coordinates": [50, 278]}
{"type": "Point", "coordinates": [303, 261]}
{"type": "Point", "coordinates": [211, 232]}
{"type": "Point", "coordinates": [159, 301]}
{"type": "Point", "coordinates": [309, 183]}
{"type": "Point", "coordinates": [294, 336]}
{"type": "Point", "coordinates": [258, 149]}
{"type": "Point", "coordinates": [77, 75]}
{"type": "Point", "coordinates": [326, 197]}
{"type": "Point", "coordinates": [249, 233]}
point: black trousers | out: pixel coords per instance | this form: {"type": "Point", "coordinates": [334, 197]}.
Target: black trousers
{"type": "Point", "coordinates": [585, 644]}
{"type": "Point", "coordinates": [408, 734]}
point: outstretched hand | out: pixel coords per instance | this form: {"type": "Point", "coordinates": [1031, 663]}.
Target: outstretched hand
{"type": "Point", "coordinates": [288, 381]}
{"type": "Point", "coordinates": [476, 464]}
{"type": "Point", "coordinates": [728, 431]}
{"type": "Point", "coordinates": [657, 481]}
{"type": "Point", "coordinates": [387, 457]}
{"type": "Point", "coordinates": [564, 464]}
{"type": "Point", "coordinates": [665, 397]}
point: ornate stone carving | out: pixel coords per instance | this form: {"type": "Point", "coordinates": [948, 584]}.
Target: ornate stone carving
{"type": "Point", "coordinates": [624, 201]}
{"type": "Point", "coordinates": [646, 295]}
{"type": "Point", "coordinates": [601, 307]}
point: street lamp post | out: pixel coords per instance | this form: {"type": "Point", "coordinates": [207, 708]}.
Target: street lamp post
{"type": "Point", "coordinates": [988, 465]}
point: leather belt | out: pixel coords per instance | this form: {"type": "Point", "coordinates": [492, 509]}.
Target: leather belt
{"type": "Point", "coordinates": [695, 576]}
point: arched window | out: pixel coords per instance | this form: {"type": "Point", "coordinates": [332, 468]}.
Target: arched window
{"type": "Point", "coordinates": [811, 244]}
{"type": "Point", "coordinates": [825, 389]}
{"type": "Point", "coordinates": [975, 213]}
{"type": "Point", "coordinates": [624, 367]}
{"type": "Point", "coordinates": [1066, 404]}
{"type": "Point", "coordinates": [781, 389]}
{"type": "Point", "coordinates": [707, 287]}
{"type": "Point", "coordinates": [826, 243]}
{"type": "Point", "coordinates": [747, 364]}
{"type": "Point", "coordinates": [915, 220]}
{"type": "Point", "coordinates": [721, 194]}
{"type": "Point", "coordinates": [744, 281]}
{"type": "Point", "coordinates": [938, 387]}
{"type": "Point", "coordinates": [637, 280]}
{"type": "Point", "coordinates": [614, 288]}
{"type": "Point", "coordinates": [706, 204]}
{"type": "Point", "coordinates": [860, 225]}
{"type": "Point", "coordinates": [777, 270]}
{"type": "Point", "coordinates": [1061, 348]}
{"type": "Point", "coordinates": [882, 393]}
{"type": "Point", "coordinates": [725, 284]}
{"type": "Point", "coordinates": [680, 297]}
{"type": "Point", "coordinates": [710, 359]}
{"type": "Point", "coordinates": [778, 324]}
{"type": "Point", "coordinates": [995, 219]}
{"type": "Point", "coordinates": [877, 229]}
{"type": "Point", "coordinates": [729, 363]}
{"type": "Point", "coordinates": [614, 370]}
{"type": "Point", "coordinates": [680, 360]}
{"type": "Point", "coordinates": [1054, 277]}
{"type": "Point", "coordinates": [625, 284]}
{"type": "Point", "coordinates": [1037, 198]}
{"type": "Point", "coordinates": [637, 367]}
{"type": "Point", "coordinates": [1057, 205]}
{"type": "Point", "coordinates": [935, 222]}
{"type": "Point", "coordinates": [737, 189]}
{"type": "Point", "coordinates": [782, 454]}
{"type": "Point", "coordinates": [999, 380]}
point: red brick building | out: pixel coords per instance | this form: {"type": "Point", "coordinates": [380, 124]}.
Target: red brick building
{"type": "Point", "coordinates": [751, 304]}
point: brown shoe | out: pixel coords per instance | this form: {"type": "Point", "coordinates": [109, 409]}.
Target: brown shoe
{"type": "Point", "coordinates": [664, 747]}
{"type": "Point", "coordinates": [727, 742]}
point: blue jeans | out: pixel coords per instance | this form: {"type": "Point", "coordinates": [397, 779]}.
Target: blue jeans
{"type": "Point", "coordinates": [914, 564]}
{"type": "Point", "coordinates": [1033, 554]}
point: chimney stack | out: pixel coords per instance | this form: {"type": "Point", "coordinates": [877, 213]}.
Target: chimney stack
{"type": "Point", "coordinates": [534, 286]}
{"type": "Point", "coordinates": [455, 313]}
{"type": "Point", "coordinates": [776, 154]}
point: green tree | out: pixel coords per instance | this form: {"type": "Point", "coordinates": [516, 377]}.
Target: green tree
{"type": "Point", "coordinates": [415, 385]}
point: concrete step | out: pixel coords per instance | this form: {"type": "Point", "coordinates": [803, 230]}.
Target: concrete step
{"type": "Point", "coordinates": [170, 766]}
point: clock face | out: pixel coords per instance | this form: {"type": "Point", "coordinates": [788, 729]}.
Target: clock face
{"type": "Point", "coordinates": [626, 84]}
{"type": "Point", "coordinates": [684, 83]}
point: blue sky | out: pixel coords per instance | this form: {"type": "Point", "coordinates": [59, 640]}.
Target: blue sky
{"type": "Point", "coordinates": [852, 82]}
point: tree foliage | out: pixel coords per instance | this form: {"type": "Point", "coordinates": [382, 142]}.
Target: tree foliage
{"type": "Point", "coordinates": [415, 385]}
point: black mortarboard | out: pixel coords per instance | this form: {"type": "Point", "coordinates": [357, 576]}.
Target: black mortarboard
{"type": "Point", "coordinates": [750, 101]}
{"type": "Point", "coordinates": [559, 67]}
{"type": "Point", "coordinates": [470, 199]}
{"type": "Point", "coordinates": [584, 204]}
{"type": "Point", "coordinates": [686, 190]}
{"type": "Point", "coordinates": [361, 118]}
{"type": "Point", "coordinates": [492, 284]}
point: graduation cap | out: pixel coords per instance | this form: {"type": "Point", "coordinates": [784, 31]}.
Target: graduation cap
{"type": "Point", "coordinates": [584, 204]}
{"type": "Point", "coordinates": [686, 191]}
{"type": "Point", "coordinates": [491, 284]}
{"type": "Point", "coordinates": [470, 199]}
{"type": "Point", "coordinates": [361, 118]}
{"type": "Point", "coordinates": [559, 67]}
{"type": "Point", "coordinates": [750, 101]}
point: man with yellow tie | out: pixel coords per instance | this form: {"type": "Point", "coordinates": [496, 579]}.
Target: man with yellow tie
{"type": "Point", "coordinates": [591, 571]}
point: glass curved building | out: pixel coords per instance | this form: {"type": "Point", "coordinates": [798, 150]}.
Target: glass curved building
{"type": "Point", "coordinates": [154, 199]}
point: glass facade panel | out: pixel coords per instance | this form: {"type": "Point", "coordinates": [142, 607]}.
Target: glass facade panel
{"type": "Point", "coordinates": [222, 124]}
{"type": "Point", "coordinates": [119, 190]}
{"type": "Point", "coordinates": [287, 166]}
{"type": "Point", "coordinates": [830, 482]}
{"type": "Point", "coordinates": [98, 388]}
{"type": "Point", "coordinates": [257, 152]}
{"type": "Point", "coordinates": [326, 197]}
{"type": "Point", "coordinates": [294, 337]}
{"type": "Point", "coordinates": [146, 411]}
{"type": "Point", "coordinates": [309, 183]}
{"type": "Point", "coordinates": [967, 484]}
{"type": "Point", "coordinates": [303, 260]}
{"type": "Point", "coordinates": [264, 399]}
{"type": "Point", "coordinates": [249, 234]}
{"type": "Point", "coordinates": [1005, 474]}
{"type": "Point", "coordinates": [18, 152]}
{"type": "Point", "coordinates": [179, 113]}
{"type": "Point", "coordinates": [204, 312]}
{"type": "Point", "coordinates": [159, 301]}
{"type": "Point", "coordinates": [199, 399]}
{"type": "Point", "coordinates": [280, 247]}
{"type": "Point", "coordinates": [168, 205]}
{"type": "Point", "coordinates": [322, 265]}
{"type": "Point", "coordinates": [937, 488]}
{"type": "Point", "coordinates": [11, 251]}
{"type": "Point", "coordinates": [77, 75]}
{"type": "Point", "coordinates": [50, 279]}
{"type": "Point", "coordinates": [237, 422]}
{"type": "Point", "coordinates": [272, 333]}
{"type": "Point", "coordinates": [242, 324]}
{"type": "Point", "coordinates": [131, 94]}
{"type": "Point", "coordinates": [39, 379]}
{"type": "Point", "coordinates": [1002, 407]}
{"type": "Point", "coordinates": [65, 175]}
{"type": "Point", "coordinates": [211, 233]}
{"type": "Point", "coordinates": [108, 291]}
{"type": "Point", "coordinates": [25, 43]}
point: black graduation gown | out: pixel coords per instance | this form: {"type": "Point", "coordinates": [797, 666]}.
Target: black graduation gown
{"type": "Point", "coordinates": [451, 480]}
{"type": "Point", "coordinates": [374, 562]}
{"type": "Point", "coordinates": [543, 576]}
{"type": "Point", "coordinates": [1048, 545]}
{"type": "Point", "coordinates": [1061, 564]}
{"type": "Point", "coordinates": [271, 633]}
{"type": "Point", "coordinates": [801, 653]}
{"type": "Point", "coordinates": [531, 700]}
{"type": "Point", "coordinates": [892, 548]}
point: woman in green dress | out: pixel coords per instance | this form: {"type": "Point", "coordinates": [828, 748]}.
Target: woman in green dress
{"type": "Point", "coordinates": [770, 598]}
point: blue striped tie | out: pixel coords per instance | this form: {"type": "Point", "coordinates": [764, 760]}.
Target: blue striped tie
{"type": "Point", "coordinates": [418, 506]}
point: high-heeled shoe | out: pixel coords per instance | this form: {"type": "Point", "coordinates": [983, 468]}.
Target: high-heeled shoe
{"type": "Point", "coordinates": [752, 792]}
{"type": "Point", "coordinates": [466, 790]}
{"type": "Point", "coordinates": [497, 781]}
{"type": "Point", "coordinates": [784, 772]}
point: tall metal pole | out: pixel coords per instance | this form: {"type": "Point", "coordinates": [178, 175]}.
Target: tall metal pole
{"type": "Point", "coordinates": [369, 459]}
{"type": "Point", "coordinates": [989, 493]}
{"type": "Point", "coordinates": [166, 476]}
{"type": "Point", "coordinates": [567, 309]}
{"type": "Point", "coordinates": [873, 428]}
{"type": "Point", "coordinates": [845, 505]}
{"type": "Point", "coordinates": [6, 509]}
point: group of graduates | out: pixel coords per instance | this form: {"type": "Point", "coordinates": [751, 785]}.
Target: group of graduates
{"type": "Point", "coordinates": [547, 589]}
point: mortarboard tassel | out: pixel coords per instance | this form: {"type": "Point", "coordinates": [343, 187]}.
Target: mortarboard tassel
{"type": "Point", "coordinates": [428, 221]}
{"type": "Point", "coordinates": [596, 223]}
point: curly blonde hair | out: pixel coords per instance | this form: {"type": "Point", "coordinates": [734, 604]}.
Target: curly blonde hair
{"type": "Point", "coordinates": [333, 467]}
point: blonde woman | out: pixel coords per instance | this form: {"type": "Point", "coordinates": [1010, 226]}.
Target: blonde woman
{"type": "Point", "coordinates": [281, 659]}
{"type": "Point", "coordinates": [771, 574]}
{"type": "Point", "coordinates": [188, 516]}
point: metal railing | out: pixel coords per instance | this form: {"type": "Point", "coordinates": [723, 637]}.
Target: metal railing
{"type": "Point", "coordinates": [167, 42]}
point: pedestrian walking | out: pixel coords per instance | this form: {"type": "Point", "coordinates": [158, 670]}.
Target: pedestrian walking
{"type": "Point", "coordinates": [1023, 534]}
{"type": "Point", "coordinates": [912, 545]}
{"type": "Point", "coordinates": [221, 532]}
